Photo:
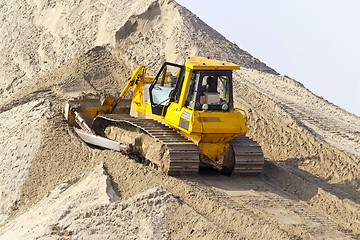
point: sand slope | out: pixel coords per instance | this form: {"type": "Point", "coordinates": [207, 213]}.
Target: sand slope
{"type": "Point", "coordinates": [56, 50]}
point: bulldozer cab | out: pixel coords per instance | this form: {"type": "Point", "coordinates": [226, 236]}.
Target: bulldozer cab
{"type": "Point", "coordinates": [207, 89]}
{"type": "Point", "coordinates": [165, 87]}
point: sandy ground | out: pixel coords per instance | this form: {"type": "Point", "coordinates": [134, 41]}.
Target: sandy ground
{"type": "Point", "coordinates": [55, 186]}
{"type": "Point", "coordinates": [18, 148]}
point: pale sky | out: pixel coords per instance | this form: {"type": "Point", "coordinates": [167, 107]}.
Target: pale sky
{"type": "Point", "coordinates": [316, 42]}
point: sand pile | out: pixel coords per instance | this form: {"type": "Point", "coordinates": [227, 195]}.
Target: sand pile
{"type": "Point", "coordinates": [18, 148]}
{"type": "Point", "coordinates": [56, 50]}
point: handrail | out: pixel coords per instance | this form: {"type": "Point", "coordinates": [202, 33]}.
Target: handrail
{"type": "Point", "coordinates": [247, 120]}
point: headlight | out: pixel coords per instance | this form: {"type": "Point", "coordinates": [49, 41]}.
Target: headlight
{"type": "Point", "coordinates": [225, 107]}
{"type": "Point", "coordinates": [205, 107]}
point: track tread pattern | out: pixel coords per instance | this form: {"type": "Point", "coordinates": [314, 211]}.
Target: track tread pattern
{"type": "Point", "coordinates": [249, 158]}
{"type": "Point", "coordinates": [184, 154]}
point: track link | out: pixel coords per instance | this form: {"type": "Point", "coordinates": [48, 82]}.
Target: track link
{"type": "Point", "coordinates": [183, 154]}
{"type": "Point", "coordinates": [249, 158]}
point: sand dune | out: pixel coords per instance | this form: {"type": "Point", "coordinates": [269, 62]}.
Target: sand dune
{"type": "Point", "coordinates": [55, 186]}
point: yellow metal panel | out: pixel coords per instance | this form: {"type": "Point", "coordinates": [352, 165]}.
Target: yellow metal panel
{"type": "Point", "coordinates": [148, 79]}
{"type": "Point", "coordinates": [213, 150]}
{"type": "Point", "coordinates": [201, 63]}
{"type": "Point", "coordinates": [222, 122]}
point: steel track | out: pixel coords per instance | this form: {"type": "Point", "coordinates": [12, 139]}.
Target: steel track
{"type": "Point", "coordinates": [184, 154]}
{"type": "Point", "coordinates": [249, 158]}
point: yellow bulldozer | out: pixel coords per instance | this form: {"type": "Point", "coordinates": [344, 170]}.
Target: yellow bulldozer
{"type": "Point", "coordinates": [181, 119]}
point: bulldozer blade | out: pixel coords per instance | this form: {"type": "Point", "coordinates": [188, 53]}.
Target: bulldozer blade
{"type": "Point", "coordinates": [105, 142]}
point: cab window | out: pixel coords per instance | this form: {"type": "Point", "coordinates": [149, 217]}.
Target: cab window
{"type": "Point", "coordinates": [164, 87]}
{"type": "Point", "coordinates": [165, 83]}
{"type": "Point", "coordinates": [210, 90]}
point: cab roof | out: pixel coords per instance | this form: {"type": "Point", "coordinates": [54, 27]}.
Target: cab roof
{"type": "Point", "coordinates": [202, 63]}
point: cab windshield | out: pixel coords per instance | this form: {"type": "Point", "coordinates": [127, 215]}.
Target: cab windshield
{"type": "Point", "coordinates": [210, 90]}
